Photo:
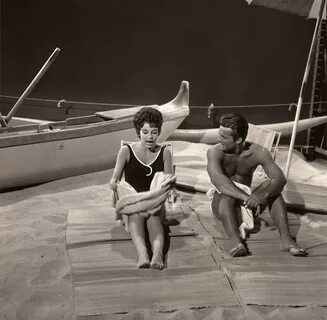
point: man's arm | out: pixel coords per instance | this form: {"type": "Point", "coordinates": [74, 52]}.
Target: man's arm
{"type": "Point", "coordinates": [219, 179]}
{"type": "Point", "coordinates": [276, 176]}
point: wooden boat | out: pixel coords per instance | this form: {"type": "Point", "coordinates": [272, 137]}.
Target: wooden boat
{"type": "Point", "coordinates": [36, 151]}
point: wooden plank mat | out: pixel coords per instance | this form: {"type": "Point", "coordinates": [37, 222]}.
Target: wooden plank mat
{"type": "Point", "coordinates": [106, 280]}
{"type": "Point", "coordinates": [306, 196]}
{"type": "Point", "coordinates": [222, 313]}
{"type": "Point", "coordinates": [270, 276]}
{"type": "Point", "coordinates": [97, 224]}
{"type": "Point", "coordinates": [117, 286]}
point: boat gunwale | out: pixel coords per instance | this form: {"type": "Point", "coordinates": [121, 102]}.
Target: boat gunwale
{"type": "Point", "coordinates": [75, 133]}
{"type": "Point", "coordinates": [179, 109]}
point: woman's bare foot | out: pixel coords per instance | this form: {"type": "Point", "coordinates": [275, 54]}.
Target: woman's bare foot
{"type": "Point", "coordinates": [157, 261]}
{"type": "Point", "coordinates": [143, 262]}
{"type": "Point", "coordinates": [239, 251]}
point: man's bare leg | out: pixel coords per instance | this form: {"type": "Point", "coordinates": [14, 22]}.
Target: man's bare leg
{"type": "Point", "coordinates": [136, 228]}
{"type": "Point", "coordinates": [156, 235]}
{"type": "Point", "coordinates": [224, 208]}
{"type": "Point", "coordinates": [278, 212]}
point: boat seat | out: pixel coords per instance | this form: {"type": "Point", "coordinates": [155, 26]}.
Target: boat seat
{"type": "Point", "coordinates": [57, 125]}
{"type": "Point", "coordinates": [83, 120]}
{"type": "Point", "coordinates": [43, 127]}
{"type": "Point", "coordinates": [266, 138]}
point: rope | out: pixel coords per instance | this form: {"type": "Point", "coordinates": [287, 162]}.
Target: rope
{"type": "Point", "coordinates": [257, 105]}
{"type": "Point", "coordinates": [67, 102]}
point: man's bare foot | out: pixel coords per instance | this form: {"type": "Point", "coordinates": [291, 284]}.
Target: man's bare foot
{"type": "Point", "coordinates": [239, 251]}
{"type": "Point", "coordinates": [157, 262]}
{"type": "Point", "coordinates": [294, 250]}
{"type": "Point", "coordinates": [143, 262]}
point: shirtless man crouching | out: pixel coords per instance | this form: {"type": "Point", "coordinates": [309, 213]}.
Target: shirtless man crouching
{"type": "Point", "coordinates": [234, 160]}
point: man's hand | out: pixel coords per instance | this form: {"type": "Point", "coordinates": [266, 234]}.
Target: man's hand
{"type": "Point", "coordinates": [255, 200]}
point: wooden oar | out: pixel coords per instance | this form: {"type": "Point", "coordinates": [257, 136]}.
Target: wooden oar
{"type": "Point", "coordinates": [3, 120]}
{"type": "Point", "coordinates": [32, 85]}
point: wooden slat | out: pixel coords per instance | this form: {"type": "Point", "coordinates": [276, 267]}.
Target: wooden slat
{"type": "Point", "coordinates": [222, 313]}
{"type": "Point", "coordinates": [97, 224]}
{"type": "Point", "coordinates": [198, 289]}
{"type": "Point", "coordinates": [106, 279]}
{"type": "Point", "coordinates": [306, 196]}
{"type": "Point", "coordinates": [283, 288]}
{"type": "Point", "coordinates": [270, 276]}
{"type": "Point", "coordinates": [182, 252]}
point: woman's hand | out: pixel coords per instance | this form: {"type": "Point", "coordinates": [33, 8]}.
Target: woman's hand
{"type": "Point", "coordinates": [169, 180]}
{"type": "Point", "coordinates": [172, 195]}
{"type": "Point", "coordinates": [113, 183]}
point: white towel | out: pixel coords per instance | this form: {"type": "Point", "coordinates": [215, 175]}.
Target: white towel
{"type": "Point", "coordinates": [247, 214]}
{"type": "Point", "coordinates": [146, 203]}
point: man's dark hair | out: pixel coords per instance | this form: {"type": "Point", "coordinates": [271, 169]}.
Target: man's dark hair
{"type": "Point", "coordinates": [149, 115]}
{"type": "Point", "coordinates": [237, 123]}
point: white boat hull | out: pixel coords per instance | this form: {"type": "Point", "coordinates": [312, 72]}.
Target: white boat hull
{"type": "Point", "coordinates": [26, 164]}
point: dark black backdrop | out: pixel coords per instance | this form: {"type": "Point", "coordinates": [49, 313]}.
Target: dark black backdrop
{"type": "Point", "coordinates": [137, 52]}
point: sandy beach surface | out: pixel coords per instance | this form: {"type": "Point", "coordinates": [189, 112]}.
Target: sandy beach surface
{"type": "Point", "coordinates": [35, 272]}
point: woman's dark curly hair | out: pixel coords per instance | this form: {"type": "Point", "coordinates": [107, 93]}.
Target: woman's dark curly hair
{"type": "Point", "coordinates": [237, 123]}
{"type": "Point", "coordinates": [149, 115]}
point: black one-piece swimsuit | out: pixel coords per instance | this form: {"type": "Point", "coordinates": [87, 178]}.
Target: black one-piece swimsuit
{"type": "Point", "coordinates": [138, 174]}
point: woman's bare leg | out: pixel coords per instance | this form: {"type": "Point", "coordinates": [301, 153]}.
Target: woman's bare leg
{"type": "Point", "coordinates": [157, 238]}
{"type": "Point", "coordinates": [136, 228]}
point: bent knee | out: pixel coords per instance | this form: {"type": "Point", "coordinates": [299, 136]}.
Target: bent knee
{"type": "Point", "coordinates": [222, 204]}
{"type": "Point", "coordinates": [224, 199]}
{"type": "Point", "coordinates": [276, 198]}
{"type": "Point", "coordinates": [137, 217]}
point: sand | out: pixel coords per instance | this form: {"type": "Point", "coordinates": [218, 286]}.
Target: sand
{"type": "Point", "coordinates": [35, 272]}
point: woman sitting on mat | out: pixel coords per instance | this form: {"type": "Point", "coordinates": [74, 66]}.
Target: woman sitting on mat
{"type": "Point", "coordinates": [139, 162]}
